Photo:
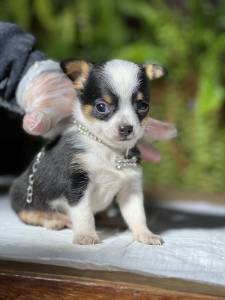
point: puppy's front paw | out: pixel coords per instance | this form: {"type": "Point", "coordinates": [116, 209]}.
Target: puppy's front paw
{"type": "Point", "coordinates": [82, 239]}
{"type": "Point", "coordinates": [147, 237]}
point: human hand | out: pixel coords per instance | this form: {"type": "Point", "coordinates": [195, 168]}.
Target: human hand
{"type": "Point", "coordinates": [155, 130]}
{"type": "Point", "coordinates": [47, 98]}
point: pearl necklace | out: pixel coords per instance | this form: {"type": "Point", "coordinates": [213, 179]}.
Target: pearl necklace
{"type": "Point", "coordinates": [83, 130]}
{"type": "Point", "coordinates": [120, 161]}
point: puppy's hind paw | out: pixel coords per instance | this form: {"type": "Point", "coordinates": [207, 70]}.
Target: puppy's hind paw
{"type": "Point", "coordinates": [54, 224]}
{"type": "Point", "coordinates": [82, 239]}
{"type": "Point", "coordinates": [149, 238]}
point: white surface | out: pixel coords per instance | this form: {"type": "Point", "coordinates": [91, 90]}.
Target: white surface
{"type": "Point", "coordinates": [194, 246]}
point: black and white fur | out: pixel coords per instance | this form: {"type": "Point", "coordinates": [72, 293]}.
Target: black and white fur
{"type": "Point", "coordinates": [77, 175]}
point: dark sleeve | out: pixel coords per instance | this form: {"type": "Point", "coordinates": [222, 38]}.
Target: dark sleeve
{"type": "Point", "coordinates": [17, 54]}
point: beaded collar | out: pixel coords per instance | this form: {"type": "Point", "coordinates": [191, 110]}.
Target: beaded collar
{"type": "Point", "coordinates": [121, 161]}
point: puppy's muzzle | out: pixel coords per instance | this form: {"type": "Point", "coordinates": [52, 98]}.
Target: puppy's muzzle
{"type": "Point", "coordinates": [125, 130]}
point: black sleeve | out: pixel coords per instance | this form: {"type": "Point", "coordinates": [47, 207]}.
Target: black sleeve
{"type": "Point", "coordinates": [17, 54]}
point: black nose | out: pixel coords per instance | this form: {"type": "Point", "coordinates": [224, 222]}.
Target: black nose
{"type": "Point", "coordinates": [125, 130]}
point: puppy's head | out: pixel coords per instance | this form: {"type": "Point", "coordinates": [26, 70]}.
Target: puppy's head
{"type": "Point", "coordinates": [113, 98]}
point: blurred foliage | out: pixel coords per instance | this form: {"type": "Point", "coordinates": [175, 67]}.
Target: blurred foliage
{"type": "Point", "coordinates": [185, 36]}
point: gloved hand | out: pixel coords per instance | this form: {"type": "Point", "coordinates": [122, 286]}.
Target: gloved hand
{"type": "Point", "coordinates": [155, 130]}
{"type": "Point", "coordinates": [47, 96]}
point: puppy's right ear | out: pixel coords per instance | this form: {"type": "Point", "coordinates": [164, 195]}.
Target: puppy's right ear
{"type": "Point", "coordinates": [154, 71]}
{"type": "Point", "coordinates": [78, 71]}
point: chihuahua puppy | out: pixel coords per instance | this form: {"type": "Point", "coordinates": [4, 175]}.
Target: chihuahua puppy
{"type": "Point", "coordinates": [95, 160]}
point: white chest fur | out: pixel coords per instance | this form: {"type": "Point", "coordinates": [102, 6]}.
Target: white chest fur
{"type": "Point", "coordinates": [106, 181]}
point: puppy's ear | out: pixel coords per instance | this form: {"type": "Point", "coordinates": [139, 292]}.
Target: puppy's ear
{"type": "Point", "coordinates": [78, 71]}
{"type": "Point", "coordinates": [154, 71]}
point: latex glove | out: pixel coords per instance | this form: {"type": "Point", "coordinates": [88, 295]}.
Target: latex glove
{"type": "Point", "coordinates": [47, 96]}
{"type": "Point", "coordinates": [155, 130]}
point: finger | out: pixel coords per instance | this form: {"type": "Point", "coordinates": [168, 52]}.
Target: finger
{"type": "Point", "coordinates": [36, 123]}
{"type": "Point", "coordinates": [158, 130]}
{"type": "Point", "coordinates": [149, 153]}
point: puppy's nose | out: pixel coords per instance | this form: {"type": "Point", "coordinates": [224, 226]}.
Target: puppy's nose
{"type": "Point", "coordinates": [125, 130]}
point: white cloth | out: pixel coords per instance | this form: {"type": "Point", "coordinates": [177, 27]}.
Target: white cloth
{"type": "Point", "coordinates": [194, 246]}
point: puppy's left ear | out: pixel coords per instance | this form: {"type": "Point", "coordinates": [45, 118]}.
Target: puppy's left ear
{"type": "Point", "coordinates": [78, 71]}
{"type": "Point", "coordinates": [154, 71]}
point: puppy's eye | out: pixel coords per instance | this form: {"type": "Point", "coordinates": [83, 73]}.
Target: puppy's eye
{"type": "Point", "coordinates": [142, 106]}
{"type": "Point", "coordinates": [102, 108]}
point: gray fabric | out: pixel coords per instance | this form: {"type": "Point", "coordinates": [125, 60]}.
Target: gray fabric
{"type": "Point", "coordinates": [17, 54]}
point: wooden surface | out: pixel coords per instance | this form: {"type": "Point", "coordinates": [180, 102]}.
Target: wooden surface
{"type": "Point", "coordinates": [31, 282]}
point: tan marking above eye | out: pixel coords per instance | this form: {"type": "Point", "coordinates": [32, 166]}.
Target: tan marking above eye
{"type": "Point", "coordinates": [107, 99]}
{"type": "Point", "coordinates": [140, 96]}
{"type": "Point", "coordinates": [87, 109]}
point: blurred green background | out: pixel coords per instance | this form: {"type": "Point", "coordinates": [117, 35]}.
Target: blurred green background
{"type": "Point", "coordinates": [187, 37]}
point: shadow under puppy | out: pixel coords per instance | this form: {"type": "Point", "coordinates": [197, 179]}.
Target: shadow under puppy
{"type": "Point", "coordinates": [95, 160]}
